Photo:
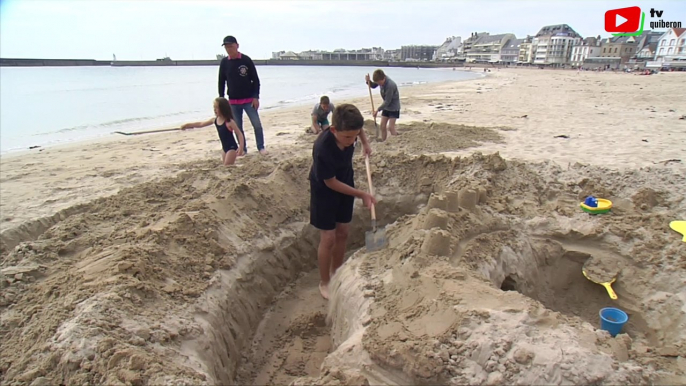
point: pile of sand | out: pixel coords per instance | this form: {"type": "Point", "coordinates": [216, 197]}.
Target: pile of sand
{"type": "Point", "coordinates": [433, 137]}
{"type": "Point", "coordinates": [167, 282]}
{"type": "Point", "coordinates": [103, 295]}
{"type": "Point", "coordinates": [487, 288]}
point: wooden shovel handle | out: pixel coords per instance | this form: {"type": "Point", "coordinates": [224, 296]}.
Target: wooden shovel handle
{"type": "Point", "coordinates": [369, 86]}
{"type": "Point", "coordinates": [371, 187]}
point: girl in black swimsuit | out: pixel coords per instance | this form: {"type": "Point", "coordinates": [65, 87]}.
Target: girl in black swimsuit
{"type": "Point", "coordinates": [226, 127]}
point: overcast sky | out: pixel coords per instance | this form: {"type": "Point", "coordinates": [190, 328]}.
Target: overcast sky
{"type": "Point", "coordinates": [150, 29]}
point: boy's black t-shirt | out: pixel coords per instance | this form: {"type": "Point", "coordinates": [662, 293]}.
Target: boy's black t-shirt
{"type": "Point", "coordinates": [328, 161]}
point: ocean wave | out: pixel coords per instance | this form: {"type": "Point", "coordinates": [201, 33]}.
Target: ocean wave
{"type": "Point", "coordinates": [414, 83]}
{"type": "Point", "coordinates": [314, 97]}
{"type": "Point", "coordinates": [311, 97]}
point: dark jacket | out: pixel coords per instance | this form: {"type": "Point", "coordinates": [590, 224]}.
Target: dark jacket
{"type": "Point", "coordinates": [241, 77]}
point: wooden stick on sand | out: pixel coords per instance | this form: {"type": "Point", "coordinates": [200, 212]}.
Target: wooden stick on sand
{"type": "Point", "coordinates": [147, 132]}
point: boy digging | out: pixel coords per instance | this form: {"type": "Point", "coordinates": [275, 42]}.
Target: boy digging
{"type": "Point", "coordinates": [332, 188]}
{"type": "Point", "coordinates": [390, 108]}
{"type": "Point", "coordinates": [320, 114]}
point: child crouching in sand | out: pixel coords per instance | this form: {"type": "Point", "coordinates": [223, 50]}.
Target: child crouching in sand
{"type": "Point", "coordinates": [332, 188]}
{"type": "Point", "coordinates": [226, 127]}
{"type": "Point", "coordinates": [320, 114]}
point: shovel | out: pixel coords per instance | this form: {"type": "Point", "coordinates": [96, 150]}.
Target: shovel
{"type": "Point", "coordinates": [369, 86]}
{"type": "Point", "coordinates": [679, 226]}
{"type": "Point", "coordinates": [146, 132]}
{"type": "Point", "coordinates": [601, 273]}
{"type": "Point", "coordinates": [376, 238]}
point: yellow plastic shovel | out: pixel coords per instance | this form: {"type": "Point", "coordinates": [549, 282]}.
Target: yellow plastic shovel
{"type": "Point", "coordinates": [679, 226]}
{"type": "Point", "coordinates": [601, 274]}
{"type": "Point", "coordinates": [607, 285]}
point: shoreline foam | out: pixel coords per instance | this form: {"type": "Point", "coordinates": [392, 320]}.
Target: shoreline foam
{"type": "Point", "coordinates": [79, 131]}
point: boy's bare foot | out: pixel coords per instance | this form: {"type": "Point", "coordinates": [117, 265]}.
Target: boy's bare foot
{"type": "Point", "coordinates": [324, 290]}
{"type": "Point", "coordinates": [263, 152]}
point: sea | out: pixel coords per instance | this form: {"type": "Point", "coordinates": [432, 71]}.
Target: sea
{"type": "Point", "coordinates": [45, 106]}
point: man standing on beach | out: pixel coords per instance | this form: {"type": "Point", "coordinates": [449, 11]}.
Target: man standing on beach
{"type": "Point", "coordinates": [238, 72]}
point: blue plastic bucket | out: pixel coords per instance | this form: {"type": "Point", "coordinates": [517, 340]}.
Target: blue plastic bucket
{"type": "Point", "coordinates": [612, 320]}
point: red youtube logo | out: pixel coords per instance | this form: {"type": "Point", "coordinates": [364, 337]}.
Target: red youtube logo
{"type": "Point", "coordinates": [623, 19]}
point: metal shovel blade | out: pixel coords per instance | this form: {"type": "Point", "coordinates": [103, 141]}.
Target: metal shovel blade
{"type": "Point", "coordinates": [375, 239]}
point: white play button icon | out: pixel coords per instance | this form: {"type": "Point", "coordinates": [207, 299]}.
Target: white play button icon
{"type": "Point", "coordinates": [619, 20]}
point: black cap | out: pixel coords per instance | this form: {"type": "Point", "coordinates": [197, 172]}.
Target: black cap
{"type": "Point", "coordinates": [230, 39]}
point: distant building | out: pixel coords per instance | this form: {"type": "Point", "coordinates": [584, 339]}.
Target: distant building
{"type": "Point", "coordinates": [486, 48]}
{"type": "Point", "coordinates": [645, 49]}
{"type": "Point", "coordinates": [526, 50]}
{"type": "Point", "coordinates": [418, 53]}
{"type": "Point", "coordinates": [649, 37]}
{"type": "Point", "coordinates": [391, 55]}
{"type": "Point", "coordinates": [450, 49]}
{"type": "Point", "coordinates": [587, 48]}
{"type": "Point", "coordinates": [364, 54]}
{"type": "Point", "coordinates": [509, 53]}
{"type": "Point", "coordinates": [553, 44]}
{"type": "Point", "coordinates": [311, 55]}
{"type": "Point", "coordinates": [469, 42]}
{"type": "Point", "coordinates": [672, 45]}
{"type": "Point", "coordinates": [621, 52]}
{"type": "Point", "coordinates": [289, 55]}
{"type": "Point", "coordinates": [620, 48]}
{"type": "Point", "coordinates": [670, 51]}
{"type": "Point", "coordinates": [647, 53]}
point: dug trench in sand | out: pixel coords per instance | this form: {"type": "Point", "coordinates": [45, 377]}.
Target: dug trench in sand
{"type": "Point", "coordinates": [112, 291]}
{"type": "Point", "coordinates": [481, 281]}
{"type": "Point", "coordinates": [484, 285]}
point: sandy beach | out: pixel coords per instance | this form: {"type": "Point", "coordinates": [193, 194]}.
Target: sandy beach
{"type": "Point", "coordinates": [141, 260]}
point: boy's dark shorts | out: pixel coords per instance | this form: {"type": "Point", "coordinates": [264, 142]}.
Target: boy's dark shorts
{"type": "Point", "coordinates": [390, 114]}
{"type": "Point", "coordinates": [328, 207]}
